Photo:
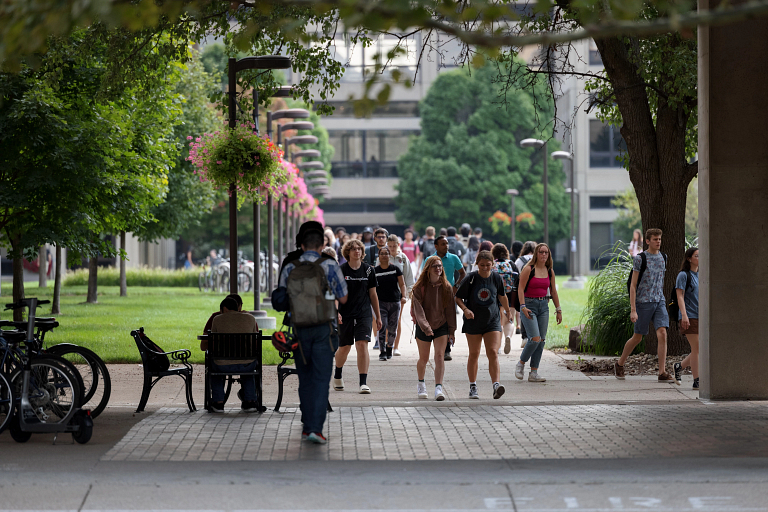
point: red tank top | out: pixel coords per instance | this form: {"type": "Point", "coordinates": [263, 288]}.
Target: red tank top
{"type": "Point", "coordinates": [537, 287]}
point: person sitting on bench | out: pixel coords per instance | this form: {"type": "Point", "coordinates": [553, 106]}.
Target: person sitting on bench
{"type": "Point", "coordinates": [233, 321]}
{"type": "Point", "coordinates": [209, 323]}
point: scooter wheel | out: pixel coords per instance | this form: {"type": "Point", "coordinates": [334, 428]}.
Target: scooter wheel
{"type": "Point", "coordinates": [17, 434]}
{"type": "Point", "coordinates": [85, 431]}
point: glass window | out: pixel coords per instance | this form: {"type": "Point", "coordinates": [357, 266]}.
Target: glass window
{"type": "Point", "coordinates": [594, 54]}
{"type": "Point", "coordinates": [450, 51]}
{"type": "Point", "coordinates": [605, 144]}
{"type": "Point", "coordinates": [352, 205]}
{"type": "Point", "coordinates": [601, 203]}
{"type": "Point", "coordinates": [600, 241]}
{"type": "Point", "coordinates": [391, 109]}
{"type": "Point", "coordinates": [371, 153]}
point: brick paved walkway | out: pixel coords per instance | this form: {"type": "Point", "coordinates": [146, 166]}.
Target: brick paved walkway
{"type": "Point", "coordinates": [448, 433]}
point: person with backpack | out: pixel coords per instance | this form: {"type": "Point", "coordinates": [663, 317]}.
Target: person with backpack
{"type": "Point", "coordinates": [687, 301]}
{"type": "Point", "coordinates": [355, 316]}
{"type": "Point", "coordinates": [509, 274]}
{"type": "Point", "coordinates": [478, 297]}
{"type": "Point", "coordinates": [647, 303]}
{"type": "Point", "coordinates": [426, 245]}
{"type": "Point", "coordinates": [392, 296]}
{"type": "Point", "coordinates": [400, 259]}
{"type": "Point", "coordinates": [517, 246]}
{"type": "Point", "coordinates": [454, 245]}
{"type": "Point", "coordinates": [473, 247]}
{"type": "Point", "coordinates": [526, 253]}
{"type": "Point", "coordinates": [318, 342]}
{"type": "Point", "coordinates": [535, 279]}
{"type": "Point", "coordinates": [434, 314]}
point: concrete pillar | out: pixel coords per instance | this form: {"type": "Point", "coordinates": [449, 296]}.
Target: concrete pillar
{"type": "Point", "coordinates": [733, 211]}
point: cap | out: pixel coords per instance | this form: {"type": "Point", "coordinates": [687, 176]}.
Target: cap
{"type": "Point", "coordinates": [368, 229]}
{"type": "Point", "coordinates": [308, 227]}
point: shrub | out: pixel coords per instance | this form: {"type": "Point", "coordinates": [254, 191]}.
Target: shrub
{"type": "Point", "coordinates": [607, 326]}
{"type": "Point", "coordinates": [143, 276]}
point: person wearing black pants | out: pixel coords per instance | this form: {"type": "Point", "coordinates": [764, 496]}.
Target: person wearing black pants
{"type": "Point", "coordinates": [391, 293]}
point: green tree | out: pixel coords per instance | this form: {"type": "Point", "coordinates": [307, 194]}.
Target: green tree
{"type": "Point", "coordinates": [468, 155]}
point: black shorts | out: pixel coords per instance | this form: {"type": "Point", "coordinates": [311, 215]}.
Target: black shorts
{"type": "Point", "coordinates": [443, 330]}
{"type": "Point", "coordinates": [471, 327]}
{"type": "Point", "coordinates": [355, 329]}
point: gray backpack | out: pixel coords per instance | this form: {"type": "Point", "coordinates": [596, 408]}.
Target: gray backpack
{"type": "Point", "coordinates": [312, 302]}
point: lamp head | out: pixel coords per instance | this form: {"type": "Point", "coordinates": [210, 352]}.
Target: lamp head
{"type": "Point", "coordinates": [315, 174]}
{"type": "Point", "coordinates": [307, 153]}
{"type": "Point", "coordinates": [312, 165]}
{"type": "Point", "coordinates": [562, 155]}
{"type": "Point", "coordinates": [512, 192]}
{"type": "Point", "coordinates": [301, 139]}
{"type": "Point", "coordinates": [299, 125]}
{"type": "Point", "coordinates": [291, 113]}
{"type": "Point", "coordinates": [531, 143]}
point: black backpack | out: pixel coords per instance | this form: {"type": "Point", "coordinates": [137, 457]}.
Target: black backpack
{"type": "Point", "coordinates": [643, 267]}
{"type": "Point", "coordinates": [428, 248]}
{"type": "Point", "coordinates": [674, 308]}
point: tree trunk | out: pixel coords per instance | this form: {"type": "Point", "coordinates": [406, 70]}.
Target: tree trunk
{"type": "Point", "coordinates": [42, 258]}
{"type": "Point", "coordinates": [56, 306]}
{"type": "Point", "coordinates": [658, 168]}
{"type": "Point", "coordinates": [18, 279]}
{"type": "Point", "coordinates": [123, 278]}
{"type": "Point", "coordinates": [93, 273]}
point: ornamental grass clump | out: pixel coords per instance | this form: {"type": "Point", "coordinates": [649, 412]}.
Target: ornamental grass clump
{"type": "Point", "coordinates": [607, 326]}
{"type": "Point", "coordinates": [240, 156]}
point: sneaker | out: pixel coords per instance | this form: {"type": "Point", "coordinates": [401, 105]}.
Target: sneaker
{"type": "Point", "coordinates": [618, 370]}
{"type": "Point", "coordinates": [507, 345]}
{"type": "Point", "coordinates": [317, 438]}
{"type": "Point", "coordinates": [249, 406]}
{"type": "Point", "coordinates": [304, 436]}
{"type": "Point", "coordinates": [665, 377]}
{"type": "Point", "coordinates": [533, 376]}
{"type": "Point", "coordinates": [517, 331]}
{"type": "Point", "coordinates": [524, 343]}
{"type": "Point", "coordinates": [520, 370]}
{"type": "Point", "coordinates": [448, 357]}
{"type": "Point", "coordinates": [365, 390]}
{"type": "Point", "coordinates": [498, 391]}
{"type": "Point", "coordinates": [439, 395]}
{"type": "Point", "coordinates": [389, 352]}
{"type": "Point", "coordinates": [382, 357]}
{"type": "Point", "coordinates": [678, 371]}
{"type": "Point", "coordinates": [473, 392]}
{"type": "Point", "coordinates": [421, 390]}
{"type": "Point", "coordinates": [695, 383]}
{"type": "Point", "coordinates": [217, 407]}
{"type": "Point", "coordinates": [338, 384]}
{"type": "Point", "coordinates": [376, 346]}
{"type": "Point", "coordinates": [396, 352]}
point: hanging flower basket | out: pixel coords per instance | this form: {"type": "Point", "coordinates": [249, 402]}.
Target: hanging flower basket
{"type": "Point", "coordinates": [239, 156]}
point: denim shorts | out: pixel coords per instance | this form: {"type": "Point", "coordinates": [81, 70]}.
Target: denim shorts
{"type": "Point", "coordinates": [648, 312]}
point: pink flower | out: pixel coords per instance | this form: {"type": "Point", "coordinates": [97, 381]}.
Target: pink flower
{"type": "Point", "coordinates": [189, 137]}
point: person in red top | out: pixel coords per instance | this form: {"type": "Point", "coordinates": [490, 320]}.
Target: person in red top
{"type": "Point", "coordinates": [535, 279]}
{"type": "Point", "coordinates": [410, 248]}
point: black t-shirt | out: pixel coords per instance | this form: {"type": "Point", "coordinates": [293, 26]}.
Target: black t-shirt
{"type": "Point", "coordinates": [359, 281]}
{"type": "Point", "coordinates": [389, 287]}
{"type": "Point", "coordinates": [481, 296]}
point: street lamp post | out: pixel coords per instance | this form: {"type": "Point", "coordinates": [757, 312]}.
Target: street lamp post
{"type": "Point", "coordinates": [537, 143]}
{"type": "Point", "coordinates": [564, 155]}
{"type": "Point", "coordinates": [512, 192]}
{"type": "Point", "coordinates": [235, 65]}
{"type": "Point", "coordinates": [288, 225]}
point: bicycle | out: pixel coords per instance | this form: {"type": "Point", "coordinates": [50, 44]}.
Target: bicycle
{"type": "Point", "coordinates": [46, 393]}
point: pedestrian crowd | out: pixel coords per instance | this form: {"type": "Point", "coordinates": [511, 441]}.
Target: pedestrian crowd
{"type": "Point", "coordinates": [361, 283]}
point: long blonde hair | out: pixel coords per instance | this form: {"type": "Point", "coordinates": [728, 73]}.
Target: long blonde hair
{"type": "Point", "coordinates": [423, 281]}
{"type": "Point", "coordinates": [535, 258]}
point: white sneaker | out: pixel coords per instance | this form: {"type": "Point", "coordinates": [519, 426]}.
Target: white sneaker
{"type": "Point", "coordinates": [396, 352]}
{"type": "Point", "coordinates": [421, 390]}
{"type": "Point", "coordinates": [498, 391]}
{"type": "Point", "coordinates": [507, 345]}
{"type": "Point", "coordinates": [533, 376]}
{"type": "Point", "coordinates": [439, 395]}
{"type": "Point", "coordinates": [525, 340]}
{"type": "Point", "coordinates": [338, 384]}
{"type": "Point", "coordinates": [520, 370]}
{"type": "Point", "coordinates": [365, 390]}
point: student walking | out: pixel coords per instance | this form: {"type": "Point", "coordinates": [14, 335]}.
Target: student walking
{"type": "Point", "coordinates": [535, 279]}
{"type": "Point", "coordinates": [411, 249]}
{"type": "Point", "coordinates": [434, 311]}
{"type": "Point", "coordinates": [687, 292]}
{"type": "Point", "coordinates": [399, 259]}
{"type": "Point", "coordinates": [517, 246]}
{"type": "Point", "coordinates": [647, 303]}
{"type": "Point", "coordinates": [507, 271]}
{"type": "Point", "coordinates": [391, 292]}
{"type": "Point", "coordinates": [478, 297]}
{"type": "Point", "coordinates": [636, 245]}
{"type": "Point", "coordinates": [526, 253]}
{"type": "Point", "coordinates": [355, 318]}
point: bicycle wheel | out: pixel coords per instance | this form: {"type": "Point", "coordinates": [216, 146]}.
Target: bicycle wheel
{"type": "Point", "coordinates": [243, 282]}
{"type": "Point", "coordinates": [223, 283]}
{"type": "Point", "coordinates": [201, 281]}
{"type": "Point", "coordinates": [53, 390]}
{"type": "Point", "coordinates": [97, 384]}
{"type": "Point", "coordinates": [6, 402]}
{"type": "Point", "coordinates": [71, 368]}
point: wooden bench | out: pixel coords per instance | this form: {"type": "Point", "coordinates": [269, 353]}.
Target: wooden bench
{"type": "Point", "coordinates": [155, 367]}
{"type": "Point", "coordinates": [233, 346]}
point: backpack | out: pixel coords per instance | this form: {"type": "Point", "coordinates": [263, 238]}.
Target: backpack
{"type": "Point", "coordinates": [156, 362]}
{"type": "Point", "coordinates": [311, 300]}
{"type": "Point", "coordinates": [428, 248]}
{"type": "Point", "coordinates": [455, 247]}
{"type": "Point", "coordinates": [509, 276]}
{"type": "Point", "coordinates": [643, 267]}
{"type": "Point", "coordinates": [516, 277]}
{"type": "Point", "coordinates": [674, 308]}
{"type": "Point", "coordinates": [469, 257]}
{"type": "Point", "coordinates": [516, 297]}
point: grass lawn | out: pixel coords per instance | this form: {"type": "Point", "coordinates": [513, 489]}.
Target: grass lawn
{"type": "Point", "coordinates": [573, 302]}
{"type": "Point", "coordinates": [171, 317]}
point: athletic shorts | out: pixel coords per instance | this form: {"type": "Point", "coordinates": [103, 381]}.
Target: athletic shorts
{"type": "Point", "coordinates": [471, 327]}
{"type": "Point", "coordinates": [648, 312]}
{"type": "Point", "coordinates": [443, 330]}
{"type": "Point", "coordinates": [693, 328]}
{"type": "Point", "coordinates": [355, 329]}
